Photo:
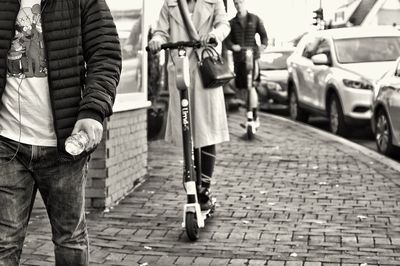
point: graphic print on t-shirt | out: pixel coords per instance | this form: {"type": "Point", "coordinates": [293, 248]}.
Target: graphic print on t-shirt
{"type": "Point", "coordinates": [26, 58]}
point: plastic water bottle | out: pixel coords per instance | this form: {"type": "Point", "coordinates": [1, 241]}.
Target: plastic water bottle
{"type": "Point", "coordinates": [76, 143]}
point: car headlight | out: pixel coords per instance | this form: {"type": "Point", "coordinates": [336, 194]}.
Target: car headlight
{"type": "Point", "coordinates": [357, 84]}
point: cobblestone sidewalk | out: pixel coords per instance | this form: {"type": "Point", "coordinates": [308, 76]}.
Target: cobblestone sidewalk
{"type": "Point", "coordinates": [291, 197]}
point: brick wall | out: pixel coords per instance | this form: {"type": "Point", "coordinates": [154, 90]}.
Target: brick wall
{"type": "Point", "coordinates": [120, 161]}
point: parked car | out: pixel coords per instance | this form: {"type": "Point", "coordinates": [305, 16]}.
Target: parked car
{"type": "Point", "coordinates": [386, 112]}
{"type": "Point", "coordinates": [274, 74]}
{"type": "Point", "coordinates": [332, 73]}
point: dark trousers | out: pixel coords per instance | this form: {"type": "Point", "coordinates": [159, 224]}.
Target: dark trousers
{"type": "Point", "coordinates": [61, 185]}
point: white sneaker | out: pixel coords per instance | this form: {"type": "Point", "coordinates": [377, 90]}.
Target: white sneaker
{"type": "Point", "coordinates": [252, 125]}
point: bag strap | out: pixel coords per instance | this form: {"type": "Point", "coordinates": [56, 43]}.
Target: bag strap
{"type": "Point", "coordinates": [190, 28]}
{"type": "Point", "coordinates": [211, 51]}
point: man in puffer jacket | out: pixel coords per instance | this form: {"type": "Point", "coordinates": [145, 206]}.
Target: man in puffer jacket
{"type": "Point", "coordinates": [66, 64]}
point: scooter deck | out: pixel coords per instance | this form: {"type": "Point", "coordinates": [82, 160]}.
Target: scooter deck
{"type": "Point", "coordinates": [208, 213]}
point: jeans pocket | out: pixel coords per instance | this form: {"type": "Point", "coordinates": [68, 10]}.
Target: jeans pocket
{"type": "Point", "coordinates": [8, 148]}
{"type": "Point", "coordinates": [64, 157]}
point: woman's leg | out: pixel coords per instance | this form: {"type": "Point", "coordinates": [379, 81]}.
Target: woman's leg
{"type": "Point", "coordinates": [204, 162]}
{"type": "Point", "coordinates": [208, 155]}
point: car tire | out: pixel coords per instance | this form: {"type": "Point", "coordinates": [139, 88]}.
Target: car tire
{"type": "Point", "coordinates": [383, 134]}
{"type": "Point", "coordinates": [337, 124]}
{"type": "Point", "coordinates": [295, 111]}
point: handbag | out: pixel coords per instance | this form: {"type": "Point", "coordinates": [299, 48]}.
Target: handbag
{"type": "Point", "coordinates": [214, 71]}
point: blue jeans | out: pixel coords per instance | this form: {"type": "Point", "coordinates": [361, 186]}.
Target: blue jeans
{"type": "Point", "coordinates": [61, 185]}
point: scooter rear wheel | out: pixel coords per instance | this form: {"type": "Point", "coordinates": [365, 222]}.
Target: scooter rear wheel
{"type": "Point", "coordinates": [192, 228]}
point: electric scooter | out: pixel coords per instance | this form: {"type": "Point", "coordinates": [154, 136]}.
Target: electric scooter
{"type": "Point", "coordinates": [193, 217]}
{"type": "Point", "coordinates": [250, 126]}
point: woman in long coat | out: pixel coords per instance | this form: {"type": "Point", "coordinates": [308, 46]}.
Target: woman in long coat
{"type": "Point", "coordinates": [207, 105]}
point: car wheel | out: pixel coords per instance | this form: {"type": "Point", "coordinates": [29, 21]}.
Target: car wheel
{"type": "Point", "coordinates": [383, 134]}
{"type": "Point", "coordinates": [336, 118]}
{"type": "Point", "coordinates": [295, 111]}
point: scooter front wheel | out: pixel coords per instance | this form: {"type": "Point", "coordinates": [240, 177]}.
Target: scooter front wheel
{"type": "Point", "coordinates": [250, 133]}
{"type": "Point", "coordinates": [192, 228]}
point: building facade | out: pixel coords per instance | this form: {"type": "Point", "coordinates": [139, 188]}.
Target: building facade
{"type": "Point", "coordinates": [120, 161]}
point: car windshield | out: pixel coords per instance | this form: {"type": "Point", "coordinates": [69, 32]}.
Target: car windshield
{"type": "Point", "coordinates": [274, 60]}
{"type": "Point", "coordinates": [369, 49]}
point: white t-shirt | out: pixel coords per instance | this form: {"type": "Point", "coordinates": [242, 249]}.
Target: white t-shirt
{"type": "Point", "coordinates": [26, 99]}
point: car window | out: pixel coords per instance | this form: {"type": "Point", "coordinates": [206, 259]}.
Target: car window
{"type": "Point", "coordinates": [274, 60]}
{"type": "Point", "coordinates": [301, 44]}
{"type": "Point", "coordinates": [323, 47]}
{"type": "Point", "coordinates": [311, 47]}
{"type": "Point", "coordinates": [370, 49]}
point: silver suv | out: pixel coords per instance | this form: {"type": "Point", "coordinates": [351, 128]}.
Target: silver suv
{"type": "Point", "coordinates": [332, 73]}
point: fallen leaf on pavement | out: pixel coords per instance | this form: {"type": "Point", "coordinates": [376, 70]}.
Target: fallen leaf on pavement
{"type": "Point", "coordinates": [361, 217]}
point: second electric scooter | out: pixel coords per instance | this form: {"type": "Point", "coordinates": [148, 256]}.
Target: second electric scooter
{"type": "Point", "coordinates": [251, 124]}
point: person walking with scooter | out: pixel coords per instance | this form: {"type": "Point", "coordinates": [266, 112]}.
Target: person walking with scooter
{"type": "Point", "coordinates": [241, 40]}
{"type": "Point", "coordinates": [205, 20]}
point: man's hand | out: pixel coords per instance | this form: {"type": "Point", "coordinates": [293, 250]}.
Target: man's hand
{"type": "Point", "coordinates": [263, 47]}
{"type": "Point", "coordinates": [236, 48]}
{"type": "Point", "coordinates": [93, 128]}
{"type": "Point", "coordinates": [154, 45]}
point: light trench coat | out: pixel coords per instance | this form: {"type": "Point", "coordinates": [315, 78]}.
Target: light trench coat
{"type": "Point", "coordinates": [209, 121]}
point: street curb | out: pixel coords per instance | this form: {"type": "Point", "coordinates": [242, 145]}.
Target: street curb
{"type": "Point", "coordinates": [370, 153]}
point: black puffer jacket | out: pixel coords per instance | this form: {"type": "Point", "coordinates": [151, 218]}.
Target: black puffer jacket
{"type": "Point", "coordinates": [245, 36]}
{"type": "Point", "coordinates": [83, 58]}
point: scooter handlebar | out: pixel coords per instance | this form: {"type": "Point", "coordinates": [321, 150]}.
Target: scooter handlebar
{"type": "Point", "coordinates": [191, 44]}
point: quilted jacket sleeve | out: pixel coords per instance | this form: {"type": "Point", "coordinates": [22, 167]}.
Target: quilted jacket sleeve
{"type": "Point", "coordinates": [102, 53]}
{"type": "Point", "coordinates": [262, 32]}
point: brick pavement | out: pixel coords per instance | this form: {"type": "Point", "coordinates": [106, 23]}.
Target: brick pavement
{"type": "Point", "coordinates": [291, 197]}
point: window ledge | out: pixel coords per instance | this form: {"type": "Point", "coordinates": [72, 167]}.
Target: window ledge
{"type": "Point", "coordinates": [131, 101]}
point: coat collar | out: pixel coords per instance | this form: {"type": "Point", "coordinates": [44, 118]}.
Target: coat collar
{"type": "Point", "coordinates": [42, 1]}
{"type": "Point", "coordinates": [202, 11]}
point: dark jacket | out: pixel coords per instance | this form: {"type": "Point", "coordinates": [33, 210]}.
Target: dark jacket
{"type": "Point", "coordinates": [83, 59]}
{"type": "Point", "coordinates": [245, 36]}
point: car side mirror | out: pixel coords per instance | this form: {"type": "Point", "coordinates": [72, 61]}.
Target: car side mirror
{"type": "Point", "coordinates": [320, 59]}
